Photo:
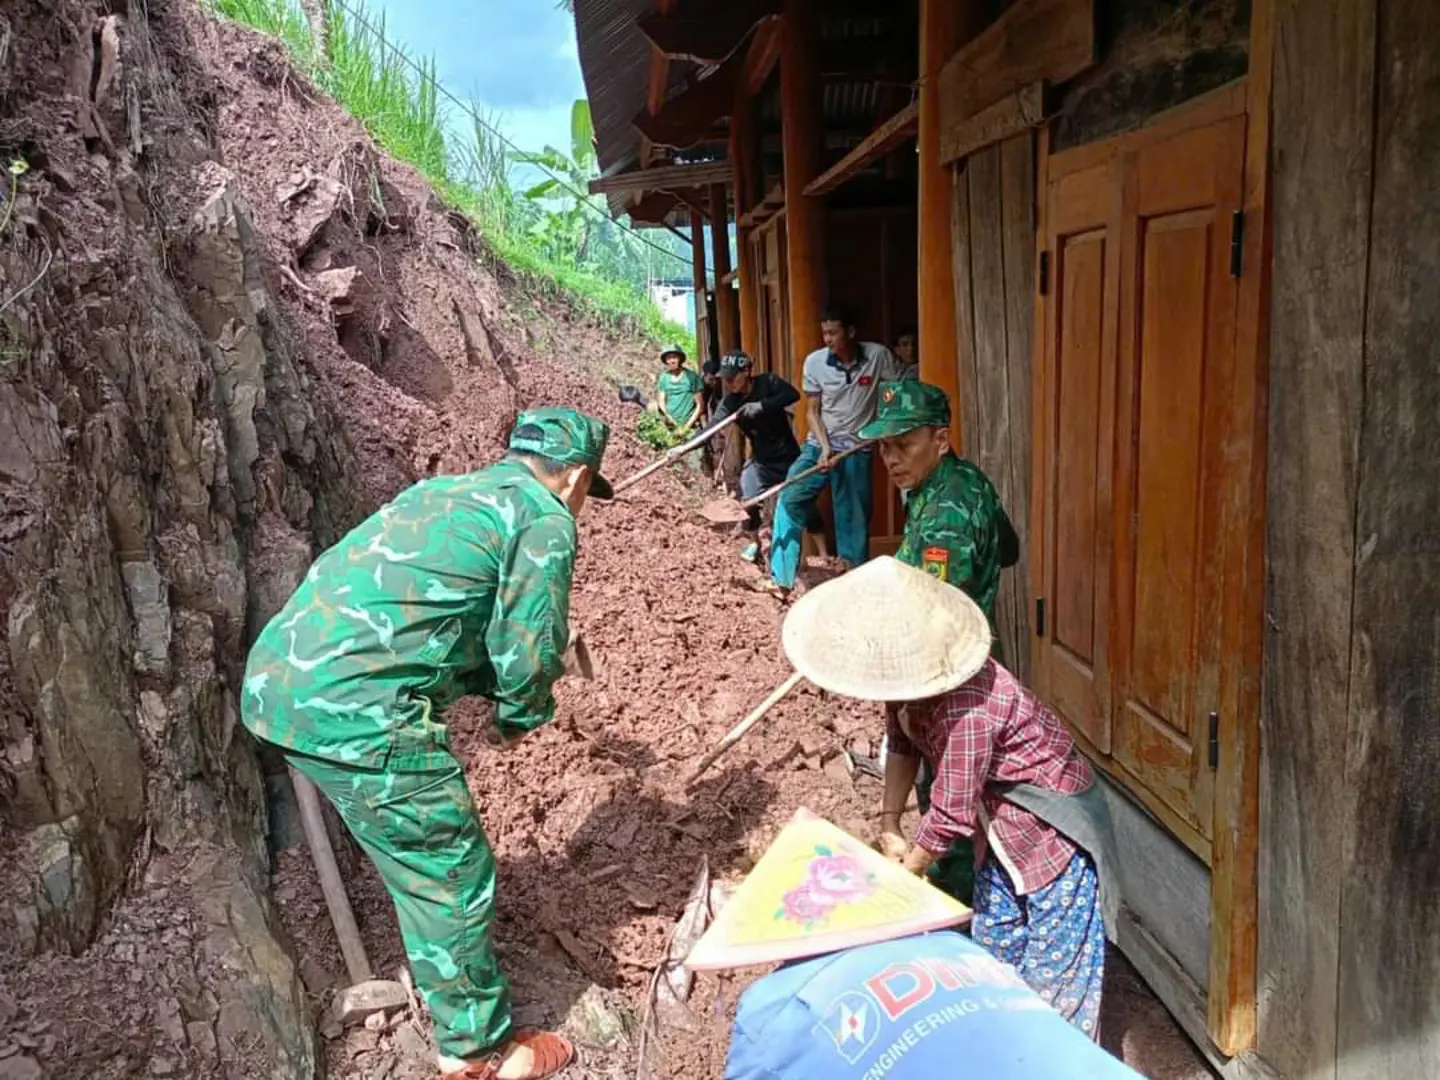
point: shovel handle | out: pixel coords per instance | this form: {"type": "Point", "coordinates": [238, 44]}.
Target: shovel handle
{"type": "Point", "coordinates": [737, 733]}
{"type": "Point", "coordinates": [758, 499]}
{"type": "Point", "coordinates": [677, 452]}
{"type": "Point", "coordinates": [332, 885]}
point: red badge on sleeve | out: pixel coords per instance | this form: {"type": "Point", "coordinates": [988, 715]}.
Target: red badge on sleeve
{"type": "Point", "coordinates": [866, 380]}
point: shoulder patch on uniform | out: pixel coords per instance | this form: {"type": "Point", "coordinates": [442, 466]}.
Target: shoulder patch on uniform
{"type": "Point", "coordinates": [936, 561]}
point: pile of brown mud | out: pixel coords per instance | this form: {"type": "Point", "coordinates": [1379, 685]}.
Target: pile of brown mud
{"type": "Point", "coordinates": [286, 327]}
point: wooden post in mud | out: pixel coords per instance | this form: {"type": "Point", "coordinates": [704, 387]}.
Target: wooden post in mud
{"type": "Point", "coordinates": [727, 323]}
{"type": "Point", "coordinates": [802, 139]}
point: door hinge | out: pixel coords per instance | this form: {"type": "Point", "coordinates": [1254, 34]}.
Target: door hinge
{"type": "Point", "coordinates": [1039, 616]}
{"type": "Point", "coordinates": [1237, 243]}
{"type": "Point", "coordinates": [1044, 273]}
{"type": "Point", "coordinates": [1214, 740]}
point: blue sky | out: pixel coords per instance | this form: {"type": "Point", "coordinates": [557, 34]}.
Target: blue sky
{"type": "Point", "coordinates": [516, 57]}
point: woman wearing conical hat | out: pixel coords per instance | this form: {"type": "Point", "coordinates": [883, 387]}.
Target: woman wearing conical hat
{"type": "Point", "coordinates": [1007, 772]}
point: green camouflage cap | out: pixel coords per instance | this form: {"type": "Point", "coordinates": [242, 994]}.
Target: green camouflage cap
{"type": "Point", "coordinates": [905, 406]}
{"type": "Point", "coordinates": [564, 434]}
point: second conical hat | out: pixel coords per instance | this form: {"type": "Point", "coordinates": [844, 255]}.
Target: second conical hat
{"type": "Point", "coordinates": [886, 632]}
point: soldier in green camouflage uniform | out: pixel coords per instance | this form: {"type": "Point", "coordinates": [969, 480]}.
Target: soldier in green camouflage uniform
{"type": "Point", "coordinates": [460, 585]}
{"type": "Point", "coordinates": [955, 528]}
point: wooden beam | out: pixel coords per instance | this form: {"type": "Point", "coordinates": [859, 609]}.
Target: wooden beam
{"type": "Point", "coordinates": [742, 155]}
{"type": "Point", "coordinates": [697, 259]}
{"type": "Point", "coordinates": [689, 116]}
{"type": "Point", "coordinates": [708, 36]}
{"type": "Point", "coordinates": [943, 25]}
{"type": "Point", "coordinates": [1012, 114]}
{"type": "Point", "coordinates": [761, 57]}
{"type": "Point", "coordinates": [803, 128]}
{"type": "Point", "coordinates": [1324, 112]}
{"type": "Point", "coordinates": [663, 178]}
{"type": "Point", "coordinates": [1389, 925]}
{"type": "Point", "coordinates": [1050, 40]}
{"type": "Point", "coordinates": [1234, 873]}
{"type": "Point", "coordinates": [726, 316]}
{"type": "Point", "coordinates": [898, 129]}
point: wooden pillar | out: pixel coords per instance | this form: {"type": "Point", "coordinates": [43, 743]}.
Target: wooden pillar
{"type": "Point", "coordinates": [728, 328]}
{"type": "Point", "coordinates": [942, 23]}
{"type": "Point", "coordinates": [742, 155]}
{"type": "Point", "coordinates": [802, 124]}
{"type": "Point", "coordinates": [697, 254]}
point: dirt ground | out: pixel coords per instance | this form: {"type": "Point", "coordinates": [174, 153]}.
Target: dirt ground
{"type": "Point", "coordinates": [427, 349]}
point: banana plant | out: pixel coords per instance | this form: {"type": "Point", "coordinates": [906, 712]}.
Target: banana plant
{"type": "Point", "coordinates": [566, 226]}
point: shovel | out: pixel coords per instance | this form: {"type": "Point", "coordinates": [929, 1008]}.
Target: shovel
{"type": "Point", "coordinates": [729, 512]}
{"type": "Point", "coordinates": [738, 732]}
{"type": "Point", "coordinates": [676, 453]}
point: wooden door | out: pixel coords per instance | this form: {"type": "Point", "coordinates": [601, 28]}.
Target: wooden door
{"type": "Point", "coordinates": [1074, 464]}
{"type": "Point", "coordinates": [1131, 443]}
{"type": "Point", "coordinates": [1176, 353]}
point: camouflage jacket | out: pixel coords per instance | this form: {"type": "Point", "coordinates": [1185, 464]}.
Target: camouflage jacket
{"type": "Point", "coordinates": [461, 585]}
{"type": "Point", "coordinates": [956, 529]}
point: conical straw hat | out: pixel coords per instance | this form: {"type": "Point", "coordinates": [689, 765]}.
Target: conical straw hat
{"type": "Point", "coordinates": [886, 632]}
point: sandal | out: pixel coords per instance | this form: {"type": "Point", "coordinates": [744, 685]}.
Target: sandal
{"type": "Point", "coordinates": [550, 1052]}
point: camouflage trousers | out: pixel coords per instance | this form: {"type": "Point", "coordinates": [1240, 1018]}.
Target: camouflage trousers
{"type": "Point", "coordinates": [424, 836]}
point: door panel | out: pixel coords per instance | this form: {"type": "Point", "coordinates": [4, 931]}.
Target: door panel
{"type": "Point", "coordinates": [1079, 332]}
{"type": "Point", "coordinates": [1176, 352]}
{"type": "Point", "coordinates": [1136, 367]}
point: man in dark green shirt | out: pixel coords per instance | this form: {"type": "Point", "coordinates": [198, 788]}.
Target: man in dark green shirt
{"type": "Point", "coordinates": [955, 528]}
{"type": "Point", "coordinates": [460, 585]}
{"type": "Point", "coordinates": [679, 390]}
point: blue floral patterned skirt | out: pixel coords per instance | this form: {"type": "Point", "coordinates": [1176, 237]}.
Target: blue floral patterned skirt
{"type": "Point", "coordinates": [1054, 937]}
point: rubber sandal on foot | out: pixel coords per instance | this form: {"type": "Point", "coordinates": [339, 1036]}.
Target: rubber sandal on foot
{"type": "Point", "coordinates": [550, 1052]}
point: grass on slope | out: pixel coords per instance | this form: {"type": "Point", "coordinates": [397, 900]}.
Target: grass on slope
{"type": "Point", "coordinates": [401, 109]}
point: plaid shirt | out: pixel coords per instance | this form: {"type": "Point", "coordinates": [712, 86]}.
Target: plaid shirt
{"type": "Point", "coordinates": [993, 731]}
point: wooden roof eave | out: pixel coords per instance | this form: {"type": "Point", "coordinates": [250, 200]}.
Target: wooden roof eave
{"type": "Point", "coordinates": [663, 178]}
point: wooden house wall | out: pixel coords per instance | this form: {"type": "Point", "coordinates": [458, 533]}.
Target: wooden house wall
{"type": "Point", "coordinates": [1350, 868]}
{"type": "Point", "coordinates": [1154, 56]}
{"type": "Point", "coordinates": [1140, 172]}
{"type": "Point", "coordinates": [993, 255]}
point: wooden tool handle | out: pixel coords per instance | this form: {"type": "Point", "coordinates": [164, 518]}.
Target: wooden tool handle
{"type": "Point", "coordinates": [332, 886]}
{"type": "Point", "coordinates": [737, 733]}
{"type": "Point", "coordinates": [758, 499]}
{"type": "Point", "coordinates": [676, 453]}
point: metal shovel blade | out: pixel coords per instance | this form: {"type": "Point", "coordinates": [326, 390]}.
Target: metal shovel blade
{"type": "Point", "coordinates": [723, 512]}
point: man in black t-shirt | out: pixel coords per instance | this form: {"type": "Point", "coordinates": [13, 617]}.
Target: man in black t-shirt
{"type": "Point", "coordinates": [762, 401]}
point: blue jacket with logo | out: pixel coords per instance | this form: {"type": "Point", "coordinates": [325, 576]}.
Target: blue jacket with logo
{"type": "Point", "coordinates": [918, 1008]}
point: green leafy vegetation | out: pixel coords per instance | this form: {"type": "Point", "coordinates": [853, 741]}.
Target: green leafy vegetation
{"type": "Point", "coordinates": [555, 238]}
{"type": "Point", "coordinates": [652, 430]}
